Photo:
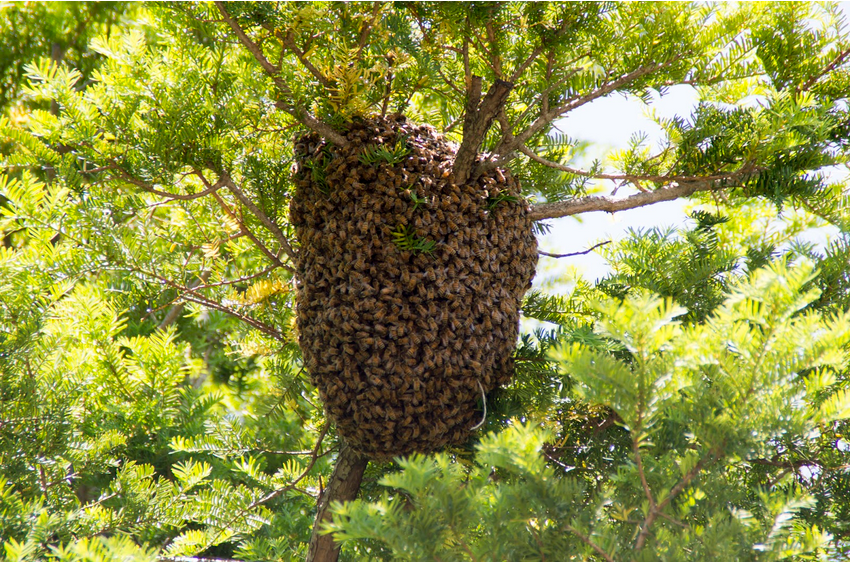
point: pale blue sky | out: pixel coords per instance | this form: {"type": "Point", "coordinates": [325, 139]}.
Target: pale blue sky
{"type": "Point", "coordinates": [608, 123]}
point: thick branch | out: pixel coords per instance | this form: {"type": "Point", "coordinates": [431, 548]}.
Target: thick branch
{"type": "Point", "coordinates": [479, 117]}
{"type": "Point", "coordinates": [610, 204]}
{"type": "Point", "coordinates": [343, 486]}
{"type": "Point", "coordinates": [273, 71]}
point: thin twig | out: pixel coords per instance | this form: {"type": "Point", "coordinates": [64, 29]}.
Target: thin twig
{"type": "Point", "coordinates": [526, 63]}
{"type": "Point", "coordinates": [642, 473]}
{"type": "Point", "coordinates": [827, 69]}
{"type": "Point", "coordinates": [586, 540]}
{"type": "Point", "coordinates": [674, 520]}
{"type": "Point", "coordinates": [633, 178]}
{"type": "Point", "coordinates": [166, 194]}
{"type": "Point", "coordinates": [263, 218]}
{"type": "Point", "coordinates": [289, 42]}
{"type": "Point", "coordinates": [250, 235]}
{"type": "Point", "coordinates": [196, 297]}
{"type": "Point", "coordinates": [366, 30]}
{"type": "Point", "coordinates": [575, 253]}
{"type": "Point", "coordinates": [193, 559]}
{"type": "Point", "coordinates": [655, 511]}
{"type": "Point", "coordinates": [243, 279]}
{"type": "Point", "coordinates": [227, 181]}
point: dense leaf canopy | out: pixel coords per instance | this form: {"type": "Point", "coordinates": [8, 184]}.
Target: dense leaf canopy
{"type": "Point", "coordinates": [692, 405]}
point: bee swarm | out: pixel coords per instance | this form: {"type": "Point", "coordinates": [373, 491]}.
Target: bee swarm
{"type": "Point", "coordinates": [401, 339]}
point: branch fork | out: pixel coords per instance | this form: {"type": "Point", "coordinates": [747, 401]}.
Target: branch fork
{"type": "Point", "coordinates": [479, 117]}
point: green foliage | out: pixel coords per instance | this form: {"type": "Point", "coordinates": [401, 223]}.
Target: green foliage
{"type": "Point", "coordinates": [30, 31]}
{"type": "Point", "coordinates": [500, 197]}
{"type": "Point", "coordinates": [405, 238]}
{"type": "Point", "coordinates": [698, 403]}
{"type": "Point", "coordinates": [438, 510]}
{"type": "Point", "coordinates": [648, 260]}
{"type": "Point", "coordinates": [374, 155]}
{"type": "Point", "coordinates": [318, 166]}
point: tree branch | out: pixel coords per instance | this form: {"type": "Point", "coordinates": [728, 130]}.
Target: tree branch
{"type": "Point", "coordinates": [196, 297]}
{"type": "Point", "coordinates": [227, 181]}
{"type": "Point", "coordinates": [586, 540]}
{"type": "Point", "coordinates": [275, 493]}
{"type": "Point", "coordinates": [506, 150]}
{"type": "Point", "coordinates": [571, 254]}
{"type": "Point", "coordinates": [177, 308]}
{"type": "Point", "coordinates": [655, 510]}
{"type": "Point", "coordinates": [479, 117]}
{"type": "Point", "coordinates": [495, 58]}
{"type": "Point", "coordinates": [343, 486]}
{"type": "Point", "coordinates": [289, 42]}
{"type": "Point", "coordinates": [633, 178]}
{"type": "Point", "coordinates": [611, 204]}
{"type": "Point", "coordinates": [366, 30]}
{"type": "Point", "coordinates": [829, 68]}
{"type": "Point", "coordinates": [273, 71]}
{"type": "Point", "coordinates": [244, 229]}
{"type": "Point", "coordinates": [525, 64]}
{"type": "Point", "coordinates": [642, 474]}
{"type": "Point", "coordinates": [210, 188]}
{"type": "Point", "coordinates": [193, 559]}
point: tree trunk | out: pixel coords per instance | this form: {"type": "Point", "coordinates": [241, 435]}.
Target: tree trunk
{"type": "Point", "coordinates": [343, 486]}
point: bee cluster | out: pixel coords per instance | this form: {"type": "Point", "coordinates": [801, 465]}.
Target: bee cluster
{"type": "Point", "coordinates": [402, 339]}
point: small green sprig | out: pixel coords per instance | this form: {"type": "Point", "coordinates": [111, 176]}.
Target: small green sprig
{"type": "Point", "coordinates": [501, 197]}
{"type": "Point", "coordinates": [417, 200]}
{"type": "Point", "coordinates": [319, 169]}
{"type": "Point", "coordinates": [406, 240]}
{"type": "Point", "coordinates": [375, 155]}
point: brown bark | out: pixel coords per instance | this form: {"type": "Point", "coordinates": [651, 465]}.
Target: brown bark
{"type": "Point", "coordinates": [479, 116]}
{"type": "Point", "coordinates": [610, 204]}
{"type": "Point", "coordinates": [343, 486]}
